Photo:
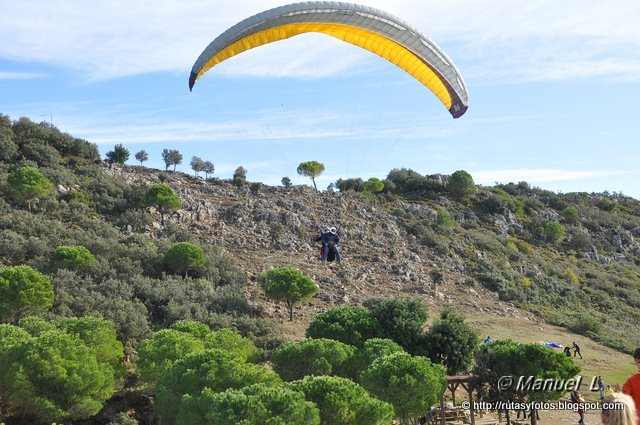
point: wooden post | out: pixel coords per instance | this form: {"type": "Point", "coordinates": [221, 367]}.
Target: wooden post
{"type": "Point", "coordinates": [471, 409]}
{"type": "Point", "coordinates": [443, 419]}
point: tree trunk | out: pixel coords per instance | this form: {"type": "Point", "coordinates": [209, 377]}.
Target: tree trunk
{"type": "Point", "coordinates": [291, 312]}
{"type": "Point", "coordinates": [534, 417]}
{"type": "Point", "coordinates": [314, 184]}
{"type": "Point", "coordinates": [506, 415]}
{"type": "Point", "coordinates": [161, 218]}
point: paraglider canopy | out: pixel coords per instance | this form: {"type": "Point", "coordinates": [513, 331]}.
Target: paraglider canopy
{"type": "Point", "coordinates": [365, 27]}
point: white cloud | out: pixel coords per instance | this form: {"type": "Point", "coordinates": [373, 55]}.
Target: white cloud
{"type": "Point", "coordinates": [498, 40]}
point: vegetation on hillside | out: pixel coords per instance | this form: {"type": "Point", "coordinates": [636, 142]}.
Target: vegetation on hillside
{"type": "Point", "coordinates": [139, 304]}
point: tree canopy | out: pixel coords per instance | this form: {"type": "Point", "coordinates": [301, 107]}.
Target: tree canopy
{"type": "Point", "coordinates": [162, 197]}
{"type": "Point", "coordinates": [452, 342]}
{"type": "Point", "coordinates": [348, 324]}
{"type": "Point", "coordinates": [253, 405]}
{"type": "Point", "coordinates": [214, 369]}
{"type": "Point", "coordinates": [28, 185]}
{"type": "Point", "coordinates": [184, 256]}
{"type": "Point", "coordinates": [343, 402]}
{"type": "Point", "coordinates": [311, 169]}
{"type": "Point", "coordinates": [288, 285]}
{"type": "Point", "coordinates": [23, 291]}
{"type": "Point", "coordinates": [118, 155]}
{"type": "Point", "coordinates": [411, 384]}
{"type": "Point", "coordinates": [295, 360]}
{"type": "Point", "coordinates": [74, 257]}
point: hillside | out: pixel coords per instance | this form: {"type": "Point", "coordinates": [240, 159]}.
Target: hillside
{"type": "Point", "coordinates": [492, 262]}
{"type": "Point", "coordinates": [490, 254]}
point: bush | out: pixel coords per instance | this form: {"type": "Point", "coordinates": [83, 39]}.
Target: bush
{"type": "Point", "coordinates": [452, 342]}
{"type": "Point", "coordinates": [23, 291]}
{"type": "Point", "coordinates": [411, 384]}
{"type": "Point", "coordinates": [348, 324]}
{"type": "Point", "coordinates": [254, 405]}
{"type": "Point", "coordinates": [343, 402]}
{"type": "Point", "coordinates": [461, 184]}
{"type": "Point", "coordinates": [554, 231]}
{"type": "Point", "coordinates": [72, 257]}
{"type": "Point", "coordinates": [401, 320]}
{"type": "Point", "coordinates": [213, 369]}
{"type": "Point", "coordinates": [55, 377]}
{"type": "Point", "coordinates": [296, 360]}
{"type": "Point", "coordinates": [184, 256]}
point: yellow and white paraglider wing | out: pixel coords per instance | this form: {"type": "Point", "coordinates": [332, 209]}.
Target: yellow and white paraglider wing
{"type": "Point", "coordinates": [362, 26]}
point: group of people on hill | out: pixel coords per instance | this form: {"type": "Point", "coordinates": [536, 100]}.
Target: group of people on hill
{"type": "Point", "coordinates": [576, 350]}
{"type": "Point", "coordinates": [629, 399]}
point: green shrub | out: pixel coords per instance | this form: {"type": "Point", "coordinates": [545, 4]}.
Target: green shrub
{"type": "Point", "coordinates": [347, 324]}
{"type": "Point", "coordinates": [72, 257]}
{"type": "Point", "coordinates": [184, 256]}
{"type": "Point", "coordinates": [343, 402]}
{"type": "Point", "coordinates": [295, 360]}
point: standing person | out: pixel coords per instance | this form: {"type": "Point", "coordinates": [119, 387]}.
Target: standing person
{"type": "Point", "coordinates": [323, 239]}
{"type": "Point", "coordinates": [601, 388]}
{"type": "Point", "coordinates": [625, 416]}
{"type": "Point", "coordinates": [576, 349]}
{"type": "Point", "coordinates": [632, 386]}
{"type": "Point", "coordinates": [577, 398]}
{"type": "Point", "coordinates": [333, 239]}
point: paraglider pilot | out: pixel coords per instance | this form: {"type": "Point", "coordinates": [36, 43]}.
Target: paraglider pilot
{"type": "Point", "coordinates": [329, 240]}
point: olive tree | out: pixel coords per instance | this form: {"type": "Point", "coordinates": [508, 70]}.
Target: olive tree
{"type": "Point", "coordinates": [171, 157]}
{"type": "Point", "coordinates": [208, 168]}
{"type": "Point", "coordinates": [142, 156]}
{"type": "Point", "coordinates": [197, 164]}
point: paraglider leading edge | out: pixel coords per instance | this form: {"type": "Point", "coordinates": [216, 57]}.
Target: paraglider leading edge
{"type": "Point", "coordinates": [371, 29]}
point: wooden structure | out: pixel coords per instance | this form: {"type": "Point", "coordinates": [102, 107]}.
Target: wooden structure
{"type": "Point", "coordinates": [453, 383]}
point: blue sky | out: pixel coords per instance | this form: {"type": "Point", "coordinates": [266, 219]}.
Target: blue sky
{"type": "Point", "coordinates": [553, 89]}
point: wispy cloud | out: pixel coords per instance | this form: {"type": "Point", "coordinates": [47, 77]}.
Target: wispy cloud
{"type": "Point", "coordinates": [489, 177]}
{"type": "Point", "coordinates": [6, 75]}
{"type": "Point", "coordinates": [502, 40]}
